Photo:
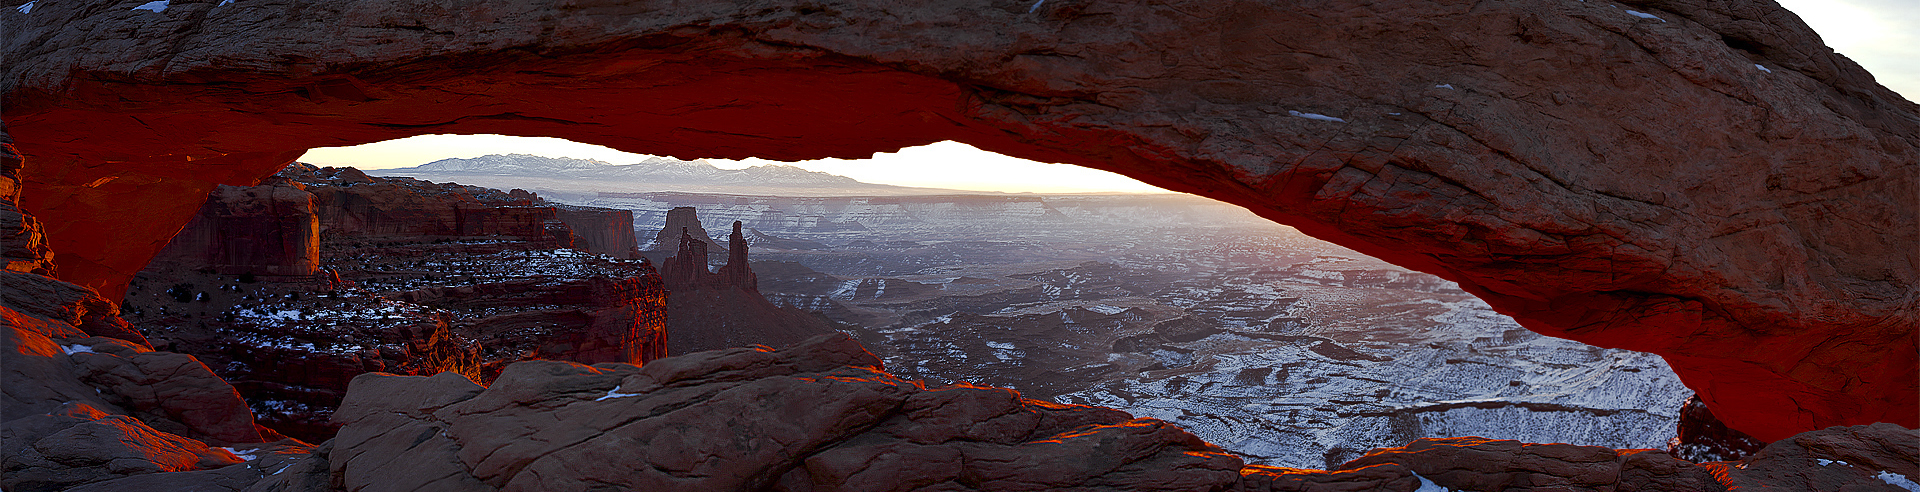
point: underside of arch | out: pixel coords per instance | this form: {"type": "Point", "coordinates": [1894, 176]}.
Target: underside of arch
{"type": "Point", "coordinates": [1704, 182]}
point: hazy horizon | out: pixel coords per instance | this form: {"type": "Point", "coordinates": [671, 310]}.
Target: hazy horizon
{"type": "Point", "coordinates": [946, 165]}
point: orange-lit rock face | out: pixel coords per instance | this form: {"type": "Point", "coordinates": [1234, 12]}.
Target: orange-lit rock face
{"type": "Point", "coordinates": [1701, 181]}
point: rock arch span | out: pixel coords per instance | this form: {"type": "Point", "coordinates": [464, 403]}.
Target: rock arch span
{"type": "Point", "coordinates": [1699, 179]}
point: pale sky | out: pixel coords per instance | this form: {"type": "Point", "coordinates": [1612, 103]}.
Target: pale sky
{"type": "Point", "coordinates": [949, 164]}
{"type": "Point", "coordinates": [1882, 35]}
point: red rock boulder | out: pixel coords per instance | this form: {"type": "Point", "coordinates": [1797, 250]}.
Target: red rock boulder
{"type": "Point", "coordinates": [172, 392]}
{"type": "Point", "coordinates": [821, 416]}
{"type": "Point", "coordinates": [1864, 457]}
{"type": "Point", "coordinates": [817, 416]}
{"type": "Point", "coordinates": [76, 408]}
{"type": "Point", "coordinates": [81, 444]}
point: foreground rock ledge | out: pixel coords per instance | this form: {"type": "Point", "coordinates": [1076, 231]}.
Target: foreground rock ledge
{"type": "Point", "coordinates": [1694, 178]}
{"type": "Point", "coordinates": [822, 416]}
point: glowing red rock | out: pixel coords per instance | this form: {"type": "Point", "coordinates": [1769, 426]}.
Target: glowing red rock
{"type": "Point", "coordinates": [1702, 180]}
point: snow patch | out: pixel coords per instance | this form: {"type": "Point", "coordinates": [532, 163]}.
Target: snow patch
{"type": "Point", "coordinates": [224, 2]}
{"type": "Point", "coordinates": [615, 393]}
{"type": "Point", "coordinates": [1429, 486]}
{"type": "Point", "coordinates": [1006, 352]}
{"type": "Point", "coordinates": [847, 290]}
{"type": "Point", "coordinates": [1825, 462]}
{"type": "Point", "coordinates": [26, 9]}
{"type": "Point", "coordinates": [284, 315]}
{"type": "Point", "coordinates": [1035, 6]}
{"type": "Point", "coordinates": [1645, 15]}
{"type": "Point", "coordinates": [247, 455]}
{"type": "Point", "coordinates": [1107, 310]}
{"type": "Point", "coordinates": [1898, 480]}
{"type": "Point", "coordinates": [1316, 116]}
{"type": "Point", "coordinates": [1444, 86]}
{"type": "Point", "coordinates": [76, 348]}
{"type": "Point", "coordinates": [1762, 68]}
{"type": "Point", "coordinates": [156, 6]}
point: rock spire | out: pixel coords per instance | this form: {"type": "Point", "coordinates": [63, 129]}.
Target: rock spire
{"type": "Point", "coordinates": [687, 270]}
{"type": "Point", "coordinates": [713, 310]}
{"type": "Point", "coordinates": [737, 273]}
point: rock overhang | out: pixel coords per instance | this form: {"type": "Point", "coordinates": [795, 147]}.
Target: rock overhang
{"type": "Point", "coordinates": [1627, 179]}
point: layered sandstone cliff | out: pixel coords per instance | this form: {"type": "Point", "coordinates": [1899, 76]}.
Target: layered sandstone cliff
{"type": "Point", "coordinates": [272, 229]}
{"type": "Point", "coordinates": [600, 230]}
{"type": "Point", "coordinates": [352, 205]}
{"type": "Point", "coordinates": [291, 288]}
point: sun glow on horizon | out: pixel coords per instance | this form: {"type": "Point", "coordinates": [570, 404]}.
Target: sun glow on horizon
{"type": "Point", "coordinates": [948, 164]}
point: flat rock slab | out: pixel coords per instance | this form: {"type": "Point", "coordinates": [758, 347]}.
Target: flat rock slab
{"type": "Point", "coordinates": [817, 416]}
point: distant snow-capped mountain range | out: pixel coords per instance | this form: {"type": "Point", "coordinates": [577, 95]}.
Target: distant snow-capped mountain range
{"type": "Point", "coordinates": [563, 176]}
{"type": "Point", "coordinates": [655, 169]}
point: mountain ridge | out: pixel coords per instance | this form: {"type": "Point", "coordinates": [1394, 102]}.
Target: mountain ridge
{"type": "Point", "coordinates": [659, 170]}
{"type": "Point", "coordinates": [586, 177]}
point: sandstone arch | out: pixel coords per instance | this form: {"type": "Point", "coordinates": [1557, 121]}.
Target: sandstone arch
{"type": "Point", "coordinates": [1699, 179]}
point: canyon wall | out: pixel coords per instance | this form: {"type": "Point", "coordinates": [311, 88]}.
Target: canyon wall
{"type": "Point", "coordinates": [1700, 179]}
{"type": "Point", "coordinates": [260, 230]}
{"type": "Point", "coordinates": [600, 230]}
{"type": "Point", "coordinates": [290, 289]}
{"type": "Point", "coordinates": [275, 228]}
{"type": "Point", "coordinates": [354, 206]}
